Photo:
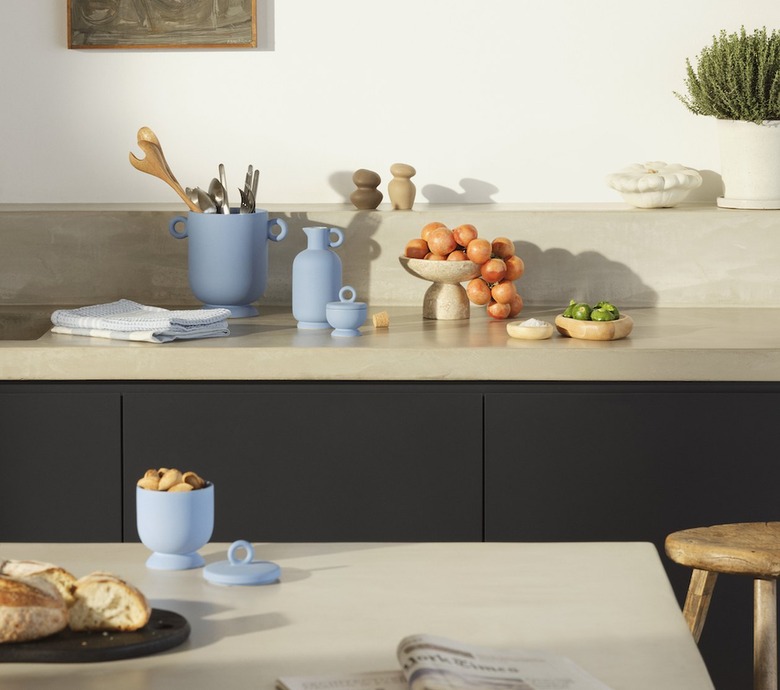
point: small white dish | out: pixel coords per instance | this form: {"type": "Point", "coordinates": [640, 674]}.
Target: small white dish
{"type": "Point", "coordinates": [530, 329]}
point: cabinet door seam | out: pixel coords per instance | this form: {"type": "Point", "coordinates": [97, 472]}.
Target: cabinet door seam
{"type": "Point", "coordinates": [122, 468]}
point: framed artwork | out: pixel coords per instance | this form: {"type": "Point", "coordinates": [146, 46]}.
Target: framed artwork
{"type": "Point", "coordinates": [162, 24]}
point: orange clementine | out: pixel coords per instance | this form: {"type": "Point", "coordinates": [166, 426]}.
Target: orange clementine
{"type": "Point", "coordinates": [515, 306]}
{"type": "Point", "coordinates": [514, 267]}
{"type": "Point", "coordinates": [498, 310]}
{"type": "Point", "coordinates": [429, 228]}
{"type": "Point", "coordinates": [416, 249]}
{"type": "Point", "coordinates": [464, 234]}
{"type": "Point", "coordinates": [478, 250]}
{"type": "Point", "coordinates": [493, 270]}
{"type": "Point", "coordinates": [441, 241]}
{"type": "Point", "coordinates": [503, 291]}
{"type": "Point", "coordinates": [478, 291]}
{"type": "Point", "coordinates": [502, 247]}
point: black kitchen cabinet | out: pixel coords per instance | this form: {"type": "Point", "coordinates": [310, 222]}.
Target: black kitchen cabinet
{"type": "Point", "coordinates": [633, 462]}
{"type": "Point", "coordinates": [61, 461]}
{"type": "Point", "coordinates": [627, 462]}
{"type": "Point", "coordinates": [316, 462]}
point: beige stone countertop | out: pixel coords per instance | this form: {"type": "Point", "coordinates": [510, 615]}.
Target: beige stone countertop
{"type": "Point", "coordinates": [667, 344]}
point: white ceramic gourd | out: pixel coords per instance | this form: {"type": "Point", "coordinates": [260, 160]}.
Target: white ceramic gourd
{"type": "Point", "coordinates": [655, 184]}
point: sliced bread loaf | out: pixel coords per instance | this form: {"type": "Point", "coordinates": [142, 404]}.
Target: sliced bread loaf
{"type": "Point", "coordinates": [30, 608]}
{"type": "Point", "coordinates": [106, 602]}
{"type": "Point", "coordinates": [59, 577]}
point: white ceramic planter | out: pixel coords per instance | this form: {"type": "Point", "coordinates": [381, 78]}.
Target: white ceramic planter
{"type": "Point", "coordinates": [750, 164]}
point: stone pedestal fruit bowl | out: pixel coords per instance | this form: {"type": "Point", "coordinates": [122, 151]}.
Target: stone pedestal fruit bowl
{"type": "Point", "coordinates": [446, 298]}
{"type": "Point", "coordinates": [594, 330]}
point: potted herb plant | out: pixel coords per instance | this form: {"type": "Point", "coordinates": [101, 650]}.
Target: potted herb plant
{"type": "Point", "coordinates": [736, 79]}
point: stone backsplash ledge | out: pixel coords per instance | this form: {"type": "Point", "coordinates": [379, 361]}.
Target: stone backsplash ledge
{"type": "Point", "coordinates": [686, 256]}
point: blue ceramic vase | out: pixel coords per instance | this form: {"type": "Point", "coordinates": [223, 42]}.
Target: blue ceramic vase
{"type": "Point", "coordinates": [316, 277]}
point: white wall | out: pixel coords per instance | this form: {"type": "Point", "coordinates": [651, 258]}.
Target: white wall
{"type": "Point", "coordinates": [502, 100]}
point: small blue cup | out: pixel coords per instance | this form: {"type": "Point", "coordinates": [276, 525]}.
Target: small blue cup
{"type": "Point", "coordinates": [346, 316]}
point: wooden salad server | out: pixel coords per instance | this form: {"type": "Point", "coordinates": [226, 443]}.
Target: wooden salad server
{"type": "Point", "coordinates": [154, 163]}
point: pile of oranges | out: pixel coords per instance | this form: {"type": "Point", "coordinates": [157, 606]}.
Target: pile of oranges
{"type": "Point", "coordinates": [499, 265]}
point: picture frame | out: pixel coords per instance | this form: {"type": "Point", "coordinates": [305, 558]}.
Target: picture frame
{"type": "Point", "coordinates": [162, 24]}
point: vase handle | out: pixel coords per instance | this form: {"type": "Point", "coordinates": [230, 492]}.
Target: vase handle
{"type": "Point", "coordinates": [339, 237]}
{"type": "Point", "coordinates": [282, 229]}
{"type": "Point", "coordinates": [172, 227]}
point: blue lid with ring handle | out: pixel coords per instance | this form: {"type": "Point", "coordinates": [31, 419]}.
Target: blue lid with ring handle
{"type": "Point", "coordinates": [245, 571]}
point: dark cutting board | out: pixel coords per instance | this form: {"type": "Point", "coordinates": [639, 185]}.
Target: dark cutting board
{"type": "Point", "coordinates": [164, 630]}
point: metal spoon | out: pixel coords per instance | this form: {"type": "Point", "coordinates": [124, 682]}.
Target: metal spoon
{"type": "Point", "coordinates": [197, 195]}
{"type": "Point", "coordinates": [217, 192]}
{"type": "Point", "coordinates": [223, 180]}
{"type": "Point", "coordinates": [192, 194]}
{"type": "Point", "coordinates": [205, 202]}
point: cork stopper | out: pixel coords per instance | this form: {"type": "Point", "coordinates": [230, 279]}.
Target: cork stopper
{"type": "Point", "coordinates": [381, 319]}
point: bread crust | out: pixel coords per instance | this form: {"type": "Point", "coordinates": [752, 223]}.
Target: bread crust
{"type": "Point", "coordinates": [59, 577]}
{"type": "Point", "coordinates": [104, 601]}
{"type": "Point", "coordinates": [30, 609]}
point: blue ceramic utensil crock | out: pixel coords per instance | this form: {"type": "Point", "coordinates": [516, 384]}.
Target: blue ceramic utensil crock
{"type": "Point", "coordinates": [228, 257]}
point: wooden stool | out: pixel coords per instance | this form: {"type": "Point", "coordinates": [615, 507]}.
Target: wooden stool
{"type": "Point", "coordinates": [749, 548]}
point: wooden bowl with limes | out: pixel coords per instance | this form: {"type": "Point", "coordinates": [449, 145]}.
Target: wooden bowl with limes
{"type": "Point", "coordinates": [594, 330]}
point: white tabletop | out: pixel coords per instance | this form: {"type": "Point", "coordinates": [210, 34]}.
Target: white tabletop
{"type": "Point", "coordinates": [342, 608]}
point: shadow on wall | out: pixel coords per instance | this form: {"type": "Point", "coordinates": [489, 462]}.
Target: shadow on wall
{"type": "Point", "coordinates": [481, 192]}
{"type": "Point", "coordinates": [358, 251]}
{"type": "Point", "coordinates": [474, 192]}
{"type": "Point", "coordinates": [266, 18]}
{"type": "Point", "coordinates": [341, 183]}
{"type": "Point", "coordinates": [711, 188]}
{"type": "Point", "coordinates": [554, 276]}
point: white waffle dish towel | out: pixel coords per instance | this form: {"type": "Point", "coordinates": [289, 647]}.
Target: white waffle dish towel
{"type": "Point", "coordinates": [128, 320]}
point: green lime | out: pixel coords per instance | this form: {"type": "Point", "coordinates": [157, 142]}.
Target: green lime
{"type": "Point", "coordinates": [568, 310]}
{"type": "Point", "coordinates": [581, 311]}
{"type": "Point", "coordinates": [602, 314]}
{"type": "Point", "coordinates": [610, 308]}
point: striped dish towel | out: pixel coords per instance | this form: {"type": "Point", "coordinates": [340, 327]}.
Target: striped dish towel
{"type": "Point", "coordinates": [128, 320]}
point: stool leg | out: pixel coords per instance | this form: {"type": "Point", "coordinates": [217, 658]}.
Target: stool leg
{"type": "Point", "coordinates": [764, 634]}
{"type": "Point", "coordinates": [697, 601]}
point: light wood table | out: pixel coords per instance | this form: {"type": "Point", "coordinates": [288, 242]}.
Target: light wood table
{"type": "Point", "coordinates": [343, 608]}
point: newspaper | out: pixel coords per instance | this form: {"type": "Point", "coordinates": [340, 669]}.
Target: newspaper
{"type": "Point", "coordinates": [374, 680]}
{"type": "Point", "coordinates": [436, 663]}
